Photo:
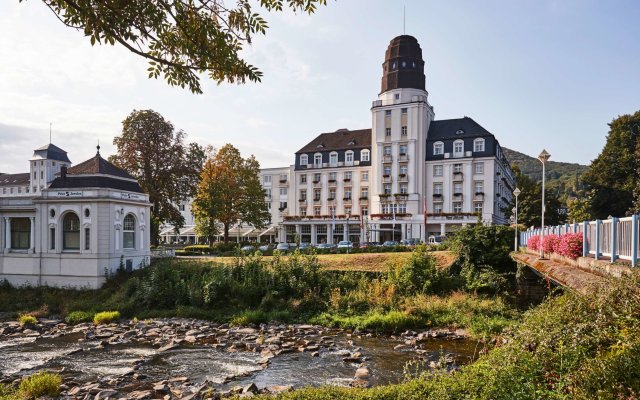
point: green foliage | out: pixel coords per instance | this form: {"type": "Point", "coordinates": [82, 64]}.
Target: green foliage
{"type": "Point", "coordinates": [612, 176]}
{"type": "Point", "coordinates": [7, 392]}
{"type": "Point", "coordinates": [418, 275]}
{"type": "Point", "coordinates": [76, 317]}
{"type": "Point", "coordinates": [27, 320]}
{"type": "Point", "coordinates": [167, 169]}
{"type": "Point", "coordinates": [106, 317]}
{"type": "Point", "coordinates": [579, 210]}
{"type": "Point", "coordinates": [181, 39]}
{"type": "Point", "coordinates": [40, 384]}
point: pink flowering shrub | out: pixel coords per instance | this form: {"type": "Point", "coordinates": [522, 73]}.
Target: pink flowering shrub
{"type": "Point", "coordinates": [534, 243]}
{"type": "Point", "coordinates": [570, 245]}
{"type": "Point", "coordinates": [550, 243]}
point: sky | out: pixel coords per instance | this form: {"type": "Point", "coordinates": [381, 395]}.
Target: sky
{"type": "Point", "coordinates": [536, 73]}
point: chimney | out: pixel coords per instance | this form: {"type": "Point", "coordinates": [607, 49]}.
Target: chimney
{"type": "Point", "coordinates": [63, 172]}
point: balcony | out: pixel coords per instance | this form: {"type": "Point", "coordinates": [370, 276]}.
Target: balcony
{"type": "Point", "coordinates": [403, 157]}
{"type": "Point", "coordinates": [478, 196]}
{"type": "Point", "coordinates": [332, 182]}
{"type": "Point", "coordinates": [403, 178]}
{"type": "Point", "coordinates": [457, 176]}
{"type": "Point", "coordinates": [387, 158]}
{"type": "Point", "coordinates": [317, 183]}
{"type": "Point", "coordinates": [317, 200]}
{"type": "Point", "coordinates": [331, 198]}
{"type": "Point", "coordinates": [302, 201]}
{"type": "Point", "coordinates": [457, 194]}
{"type": "Point", "coordinates": [402, 196]}
{"type": "Point", "coordinates": [384, 196]}
{"type": "Point", "coordinates": [346, 199]}
{"type": "Point", "coordinates": [437, 196]}
{"type": "Point", "coordinates": [364, 200]}
{"type": "Point", "coordinates": [284, 182]}
{"type": "Point", "coordinates": [386, 179]}
{"type": "Point", "coordinates": [346, 180]}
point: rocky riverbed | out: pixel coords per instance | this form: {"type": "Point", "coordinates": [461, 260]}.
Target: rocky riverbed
{"type": "Point", "coordinates": [193, 359]}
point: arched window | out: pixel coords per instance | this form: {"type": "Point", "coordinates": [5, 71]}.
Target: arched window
{"type": "Point", "coordinates": [317, 160]}
{"type": "Point", "coordinates": [438, 148]}
{"type": "Point", "coordinates": [129, 232]}
{"type": "Point", "coordinates": [333, 158]}
{"type": "Point", "coordinates": [348, 157]}
{"type": "Point", "coordinates": [304, 159]}
{"type": "Point", "coordinates": [71, 232]}
{"type": "Point", "coordinates": [365, 155]}
{"type": "Point", "coordinates": [458, 148]}
{"type": "Point", "coordinates": [478, 144]}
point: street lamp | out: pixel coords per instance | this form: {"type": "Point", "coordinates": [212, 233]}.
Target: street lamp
{"type": "Point", "coordinates": [348, 232]}
{"type": "Point", "coordinates": [516, 193]}
{"type": "Point", "coordinates": [543, 157]}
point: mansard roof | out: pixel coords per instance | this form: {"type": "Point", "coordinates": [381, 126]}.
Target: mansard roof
{"type": "Point", "coordinates": [342, 139]}
{"type": "Point", "coordinates": [14, 179]}
{"type": "Point", "coordinates": [98, 165]}
{"type": "Point", "coordinates": [455, 128]}
{"type": "Point", "coordinates": [51, 152]}
{"type": "Point", "coordinates": [96, 181]}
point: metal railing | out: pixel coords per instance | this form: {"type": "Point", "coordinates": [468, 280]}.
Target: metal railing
{"type": "Point", "coordinates": [613, 238]}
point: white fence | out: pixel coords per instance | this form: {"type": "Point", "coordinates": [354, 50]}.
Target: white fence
{"type": "Point", "coordinates": [614, 238]}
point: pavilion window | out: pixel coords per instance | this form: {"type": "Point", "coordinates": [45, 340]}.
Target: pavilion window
{"type": "Point", "coordinates": [20, 233]}
{"type": "Point", "coordinates": [129, 232]}
{"type": "Point", "coordinates": [71, 232]}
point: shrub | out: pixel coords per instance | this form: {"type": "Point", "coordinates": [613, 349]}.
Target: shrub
{"type": "Point", "coordinates": [571, 245]}
{"type": "Point", "coordinates": [550, 243]}
{"type": "Point", "coordinates": [106, 317]}
{"type": "Point", "coordinates": [76, 317]}
{"type": "Point", "coordinates": [40, 384]}
{"type": "Point", "coordinates": [533, 243]}
{"type": "Point", "coordinates": [27, 320]}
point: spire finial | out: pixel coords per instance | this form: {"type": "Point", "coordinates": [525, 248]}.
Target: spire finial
{"type": "Point", "coordinates": [98, 148]}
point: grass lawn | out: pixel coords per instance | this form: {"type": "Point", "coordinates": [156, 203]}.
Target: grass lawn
{"type": "Point", "coordinates": [364, 262]}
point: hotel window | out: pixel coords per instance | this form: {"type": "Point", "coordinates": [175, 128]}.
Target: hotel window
{"type": "Point", "coordinates": [437, 208]}
{"type": "Point", "coordinates": [129, 232]}
{"type": "Point", "coordinates": [403, 149]}
{"type": "Point", "coordinates": [304, 159]}
{"type": "Point", "coordinates": [404, 169]}
{"type": "Point", "coordinates": [316, 211]}
{"type": "Point", "coordinates": [348, 156]}
{"type": "Point", "coordinates": [283, 206]}
{"type": "Point", "coordinates": [457, 188]}
{"type": "Point", "coordinates": [52, 238]}
{"type": "Point", "coordinates": [347, 210]}
{"type": "Point", "coordinates": [364, 176]}
{"type": "Point", "coordinates": [437, 170]}
{"type": "Point", "coordinates": [347, 175]}
{"type": "Point", "coordinates": [41, 174]}
{"type": "Point", "coordinates": [268, 193]}
{"type": "Point", "coordinates": [283, 191]}
{"type": "Point", "coordinates": [404, 130]}
{"type": "Point", "coordinates": [303, 194]}
{"type": "Point", "coordinates": [438, 148]}
{"type": "Point", "coordinates": [19, 189]}
{"type": "Point", "coordinates": [364, 155]}
{"type": "Point", "coordinates": [332, 194]}
{"type": "Point", "coordinates": [347, 193]}
{"type": "Point", "coordinates": [477, 207]}
{"type": "Point", "coordinates": [478, 144]}
{"type": "Point", "coordinates": [387, 170]}
{"type": "Point", "coordinates": [387, 150]}
{"type": "Point", "coordinates": [268, 206]}
{"type": "Point", "coordinates": [437, 188]}
{"type": "Point", "coordinates": [387, 112]}
{"type": "Point", "coordinates": [317, 160]}
{"type": "Point", "coordinates": [458, 148]}
{"type": "Point", "coordinates": [266, 179]}
{"type": "Point", "coordinates": [333, 176]}
{"type": "Point", "coordinates": [71, 232]}
{"type": "Point", "coordinates": [402, 208]}
{"type": "Point", "coordinates": [87, 238]}
{"type": "Point", "coordinates": [478, 168]}
{"type": "Point", "coordinates": [478, 187]}
{"type": "Point", "coordinates": [181, 207]}
{"type": "Point", "coordinates": [397, 96]}
{"type": "Point", "coordinates": [457, 167]}
{"type": "Point", "coordinates": [316, 194]}
{"type": "Point", "coordinates": [303, 178]}
{"type": "Point", "coordinates": [364, 210]}
{"type": "Point", "coordinates": [387, 132]}
{"type": "Point", "coordinates": [364, 193]}
{"type": "Point", "coordinates": [20, 233]}
{"type": "Point", "coordinates": [35, 176]}
{"type": "Point", "coordinates": [457, 207]}
{"type": "Point", "coordinates": [404, 188]}
{"type": "Point", "coordinates": [403, 110]}
{"type": "Point", "coordinates": [387, 188]}
{"type": "Point", "coordinates": [333, 158]}
{"type": "Point", "coordinates": [35, 189]}
{"type": "Point", "coordinates": [303, 211]}
{"type": "Point", "coordinates": [284, 178]}
{"type": "Point", "coordinates": [316, 178]}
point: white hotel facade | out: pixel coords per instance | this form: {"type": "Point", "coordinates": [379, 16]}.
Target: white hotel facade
{"type": "Point", "coordinates": [408, 176]}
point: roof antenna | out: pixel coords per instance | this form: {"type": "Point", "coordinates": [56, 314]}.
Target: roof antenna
{"type": "Point", "coordinates": [49, 132]}
{"type": "Point", "coordinates": [404, 19]}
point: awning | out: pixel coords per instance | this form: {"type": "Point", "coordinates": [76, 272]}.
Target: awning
{"type": "Point", "coordinates": [190, 231]}
{"type": "Point", "coordinates": [249, 232]}
{"type": "Point", "coordinates": [170, 231]}
{"type": "Point", "coordinates": [272, 227]}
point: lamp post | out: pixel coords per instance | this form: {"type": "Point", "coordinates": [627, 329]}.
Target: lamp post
{"type": "Point", "coordinates": [543, 157]}
{"type": "Point", "coordinates": [516, 193]}
{"type": "Point", "coordinates": [348, 232]}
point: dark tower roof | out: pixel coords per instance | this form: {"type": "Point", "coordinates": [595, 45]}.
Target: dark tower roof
{"type": "Point", "coordinates": [403, 65]}
{"type": "Point", "coordinates": [51, 152]}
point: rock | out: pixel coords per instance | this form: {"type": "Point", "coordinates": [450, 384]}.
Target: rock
{"type": "Point", "coordinates": [190, 339]}
{"type": "Point", "coordinates": [105, 394]}
{"type": "Point", "coordinates": [315, 354]}
{"type": "Point", "coordinates": [179, 379]}
{"type": "Point", "coordinates": [399, 347]}
{"type": "Point", "coordinates": [74, 391]}
{"type": "Point", "coordinates": [280, 389]}
{"type": "Point", "coordinates": [360, 383]}
{"type": "Point", "coordinates": [169, 346]}
{"type": "Point", "coordinates": [363, 373]}
{"type": "Point", "coordinates": [161, 388]}
{"type": "Point", "coordinates": [251, 388]}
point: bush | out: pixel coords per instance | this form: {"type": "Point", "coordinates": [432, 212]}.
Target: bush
{"type": "Point", "coordinates": [550, 243]}
{"type": "Point", "coordinates": [76, 317]}
{"type": "Point", "coordinates": [106, 317]}
{"type": "Point", "coordinates": [571, 245]}
{"type": "Point", "coordinates": [40, 384]}
{"type": "Point", "coordinates": [533, 243]}
{"type": "Point", "coordinates": [27, 320]}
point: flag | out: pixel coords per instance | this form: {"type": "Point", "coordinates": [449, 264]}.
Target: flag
{"type": "Point", "coordinates": [333, 219]}
{"type": "Point", "coordinates": [393, 210]}
{"type": "Point", "coordinates": [424, 210]}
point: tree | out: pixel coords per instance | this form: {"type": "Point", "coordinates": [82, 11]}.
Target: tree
{"type": "Point", "coordinates": [229, 192]}
{"type": "Point", "coordinates": [579, 210]}
{"type": "Point", "coordinates": [180, 38]}
{"type": "Point", "coordinates": [530, 203]}
{"type": "Point", "coordinates": [613, 176]}
{"type": "Point", "coordinates": [156, 155]}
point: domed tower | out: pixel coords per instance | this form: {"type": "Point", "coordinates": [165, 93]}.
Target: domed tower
{"type": "Point", "coordinates": [401, 117]}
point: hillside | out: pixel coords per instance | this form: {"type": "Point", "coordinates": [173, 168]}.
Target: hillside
{"type": "Point", "coordinates": [565, 177]}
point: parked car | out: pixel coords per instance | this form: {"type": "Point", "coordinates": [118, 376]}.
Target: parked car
{"type": "Point", "coordinates": [247, 249]}
{"type": "Point", "coordinates": [437, 239]}
{"type": "Point", "coordinates": [410, 242]}
{"type": "Point", "coordinates": [284, 247]}
{"type": "Point", "coordinates": [390, 243]}
{"type": "Point", "coordinates": [326, 246]}
{"type": "Point", "coordinates": [345, 244]}
{"type": "Point", "coordinates": [265, 247]}
{"type": "Point", "coordinates": [305, 246]}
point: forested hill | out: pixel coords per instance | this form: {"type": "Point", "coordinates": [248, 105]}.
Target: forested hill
{"type": "Point", "coordinates": [561, 175]}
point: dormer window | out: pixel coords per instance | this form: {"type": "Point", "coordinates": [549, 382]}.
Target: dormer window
{"type": "Point", "coordinates": [352, 143]}
{"type": "Point", "coordinates": [317, 160]}
{"type": "Point", "coordinates": [348, 156]}
{"type": "Point", "coordinates": [320, 146]}
{"type": "Point", "coordinates": [333, 158]}
{"type": "Point", "coordinates": [458, 148]}
{"type": "Point", "coordinates": [438, 148]}
{"type": "Point", "coordinates": [478, 145]}
{"type": "Point", "coordinates": [365, 155]}
{"type": "Point", "coordinates": [459, 132]}
{"type": "Point", "coordinates": [304, 159]}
